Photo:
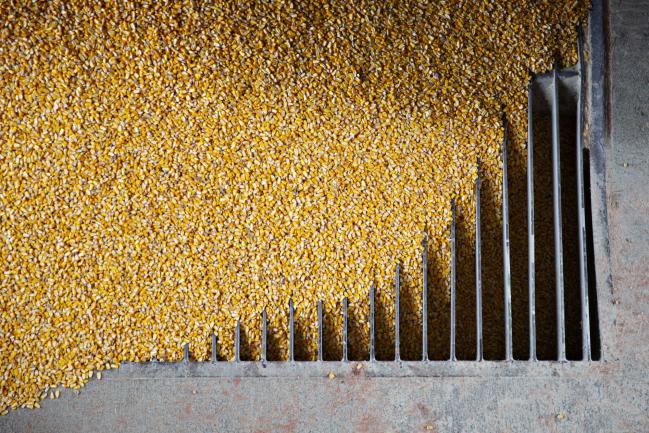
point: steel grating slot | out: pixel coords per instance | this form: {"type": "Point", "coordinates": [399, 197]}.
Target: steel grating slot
{"type": "Point", "coordinates": [264, 337]}
{"type": "Point", "coordinates": [291, 331]}
{"type": "Point", "coordinates": [237, 342]}
{"type": "Point", "coordinates": [345, 307]}
{"type": "Point", "coordinates": [478, 269]}
{"type": "Point", "coordinates": [424, 300]}
{"type": "Point", "coordinates": [453, 284]}
{"type": "Point", "coordinates": [214, 356]}
{"type": "Point", "coordinates": [372, 324]}
{"type": "Point", "coordinates": [397, 303]}
{"type": "Point", "coordinates": [321, 332]}
{"type": "Point", "coordinates": [585, 322]}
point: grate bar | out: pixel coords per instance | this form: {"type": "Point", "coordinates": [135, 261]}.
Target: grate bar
{"type": "Point", "coordinates": [397, 288]}
{"type": "Point", "coordinates": [320, 331]}
{"type": "Point", "coordinates": [531, 258]}
{"type": "Point", "coordinates": [372, 324]}
{"type": "Point", "coordinates": [237, 342]}
{"type": "Point", "coordinates": [186, 352]}
{"type": "Point", "coordinates": [215, 357]}
{"type": "Point", "coordinates": [581, 213]}
{"type": "Point", "coordinates": [453, 282]}
{"type": "Point", "coordinates": [291, 331]}
{"type": "Point", "coordinates": [507, 283]}
{"type": "Point", "coordinates": [556, 208]}
{"type": "Point", "coordinates": [478, 269]}
{"type": "Point", "coordinates": [264, 337]}
{"type": "Point", "coordinates": [424, 300]}
{"type": "Point", "coordinates": [345, 308]}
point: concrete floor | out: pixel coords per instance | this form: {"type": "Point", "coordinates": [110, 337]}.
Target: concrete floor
{"type": "Point", "coordinates": [609, 396]}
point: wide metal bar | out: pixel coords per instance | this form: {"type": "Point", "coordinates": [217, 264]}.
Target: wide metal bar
{"type": "Point", "coordinates": [291, 331]}
{"type": "Point", "coordinates": [237, 342]}
{"type": "Point", "coordinates": [397, 338]}
{"type": "Point", "coordinates": [581, 213]}
{"type": "Point", "coordinates": [372, 324]}
{"type": "Point", "coordinates": [215, 356]}
{"type": "Point", "coordinates": [453, 282]}
{"type": "Point", "coordinates": [264, 336]}
{"type": "Point", "coordinates": [507, 279]}
{"type": "Point", "coordinates": [556, 208]}
{"type": "Point", "coordinates": [345, 306]}
{"type": "Point", "coordinates": [485, 371]}
{"type": "Point", "coordinates": [186, 352]}
{"type": "Point", "coordinates": [531, 258]}
{"type": "Point", "coordinates": [320, 331]}
{"type": "Point", "coordinates": [478, 270]}
{"type": "Point", "coordinates": [424, 300]}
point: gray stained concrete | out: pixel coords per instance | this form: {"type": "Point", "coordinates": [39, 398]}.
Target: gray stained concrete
{"type": "Point", "coordinates": [609, 396]}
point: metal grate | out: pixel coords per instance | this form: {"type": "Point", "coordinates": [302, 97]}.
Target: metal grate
{"type": "Point", "coordinates": [552, 80]}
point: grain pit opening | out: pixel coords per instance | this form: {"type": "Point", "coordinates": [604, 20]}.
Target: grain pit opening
{"type": "Point", "coordinates": [227, 160]}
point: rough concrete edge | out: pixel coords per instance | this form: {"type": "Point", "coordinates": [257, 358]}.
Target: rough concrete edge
{"type": "Point", "coordinates": [597, 74]}
{"type": "Point", "coordinates": [421, 369]}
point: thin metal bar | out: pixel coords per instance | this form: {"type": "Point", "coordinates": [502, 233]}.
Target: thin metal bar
{"type": "Point", "coordinates": [531, 258]}
{"type": "Point", "coordinates": [345, 306]}
{"type": "Point", "coordinates": [453, 282]}
{"type": "Point", "coordinates": [215, 356]}
{"type": "Point", "coordinates": [595, 73]}
{"type": "Point", "coordinates": [397, 289]}
{"type": "Point", "coordinates": [478, 270]}
{"type": "Point", "coordinates": [291, 331]}
{"type": "Point", "coordinates": [556, 207]}
{"type": "Point", "coordinates": [581, 216]}
{"type": "Point", "coordinates": [320, 331]}
{"type": "Point", "coordinates": [424, 300]}
{"type": "Point", "coordinates": [264, 337]}
{"type": "Point", "coordinates": [372, 325]}
{"type": "Point", "coordinates": [237, 342]}
{"type": "Point", "coordinates": [507, 283]}
{"type": "Point", "coordinates": [186, 352]}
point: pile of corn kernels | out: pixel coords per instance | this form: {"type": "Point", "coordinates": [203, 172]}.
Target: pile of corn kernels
{"type": "Point", "coordinates": [169, 168]}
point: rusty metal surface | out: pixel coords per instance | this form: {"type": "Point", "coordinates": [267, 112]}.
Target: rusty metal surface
{"type": "Point", "coordinates": [607, 396]}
